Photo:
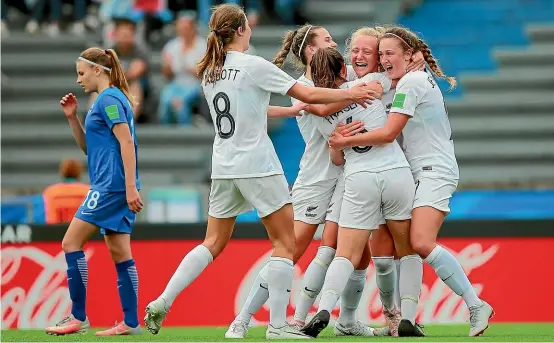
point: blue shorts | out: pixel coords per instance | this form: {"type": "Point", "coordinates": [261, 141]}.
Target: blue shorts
{"type": "Point", "coordinates": [107, 210]}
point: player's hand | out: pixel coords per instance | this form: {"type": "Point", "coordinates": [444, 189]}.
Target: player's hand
{"type": "Point", "coordinates": [69, 105]}
{"type": "Point", "coordinates": [350, 129]}
{"type": "Point", "coordinates": [337, 141]}
{"type": "Point", "coordinates": [361, 94]}
{"type": "Point", "coordinates": [299, 107]}
{"type": "Point", "coordinates": [417, 62]}
{"type": "Point", "coordinates": [133, 199]}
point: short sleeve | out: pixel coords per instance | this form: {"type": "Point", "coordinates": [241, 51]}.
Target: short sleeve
{"type": "Point", "coordinates": [381, 77]}
{"type": "Point", "coordinates": [269, 77]}
{"type": "Point", "coordinates": [111, 110]}
{"type": "Point", "coordinates": [409, 92]}
{"type": "Point", "coordinates": [350, 73]}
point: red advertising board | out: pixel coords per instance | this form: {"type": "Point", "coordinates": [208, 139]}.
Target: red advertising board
{"type": "Point", "coordinates": [34, 290]}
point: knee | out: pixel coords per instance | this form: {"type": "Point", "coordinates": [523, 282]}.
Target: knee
{"type": "Point", "coordinates": [70, 246]}
{"type": "Point", "coordinates": [287, 245]}
{"type": "Point", "coordinates": [119, 253]}
{"type": "Point", "coordinates": [383, 265]}
{"type": "Point", "coordinates": [421, 245]}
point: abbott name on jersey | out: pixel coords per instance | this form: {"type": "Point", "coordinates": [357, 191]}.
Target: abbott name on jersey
{"type": "Point", "coordinates": [238, 102]}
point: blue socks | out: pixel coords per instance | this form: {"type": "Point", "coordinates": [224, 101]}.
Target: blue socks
{"type": "Point", "coordinates": [127, 286]}
{"type": "Point", "coordinates": [77, 278]}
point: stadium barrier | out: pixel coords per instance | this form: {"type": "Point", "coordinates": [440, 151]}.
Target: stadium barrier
{"type": "Point", "coordinates": [506, 260]}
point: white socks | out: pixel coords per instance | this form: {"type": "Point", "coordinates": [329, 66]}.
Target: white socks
{"type": "Point", "coordinates": [279, 281]}
{"type": "Point", "coordinates": [385, 275]}
{"type": "Point", "coordinates": [336, 279]}
{"type": "Point", "coordinates": [313, 281]}
{"type": "Point", "coordinates": [411, 277]}
{"type": "Point", "coordinates": [452, 274]}
{"type": "Point", "coordinates": [351, 297]}
{"type": "Point", "coordinates": [190, 268]}
{"type": "Point", "coordinates": [257, 297]}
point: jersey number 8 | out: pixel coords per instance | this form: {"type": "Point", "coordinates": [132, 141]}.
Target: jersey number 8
{"type": "Point", "coordinates": [359, 149]}
{"type": "Point", "coordinates": [223, 113]}
{"type": "Point", "coordinates": [91, 200]}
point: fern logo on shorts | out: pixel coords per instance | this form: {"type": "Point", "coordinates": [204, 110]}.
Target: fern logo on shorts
{"type": "Point", "coordinates": [399, 100]}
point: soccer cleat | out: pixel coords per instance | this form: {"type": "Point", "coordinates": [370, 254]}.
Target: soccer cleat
{"type": "Point", "coordinates": [407, 329]}
{"type": "Point", "coordinates": [155, 315]}
{"type": "Point", "coordinates": [479, 319]}
{"type": "Point", "coordinates": [297, 324]}
{"type": "Point", "coordinates": [120, 329]}
{"type": "Point", "coordinates": [358, 329]}
{"type": "Point", "coordinates": [286, 332]}
{"type": "Point", "coordinates": [237, 329]}
{"type": "Point", "coordinates": [381, 332]}
{"type": "Point", "coordinates": [392, 319]}
{"type": "Point", "coordinates": [69, 325]}
{"type": "Point", "coordinates": [317, 324]}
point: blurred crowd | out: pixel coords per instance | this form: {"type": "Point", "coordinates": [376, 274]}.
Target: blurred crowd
{"type": "Point", "coordinates": [134, 28]}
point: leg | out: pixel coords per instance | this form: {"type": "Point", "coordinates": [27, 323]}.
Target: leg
{"type": "Point", "coordinates": [382, 248]}
{"type": "Point", "coordinates": [314, 276]}
{"type": "Point", "coordinates": [189, 97]}
{"type": "Point", "coordinates": [78, 233]}
{"type": "Point", "coordinates": [119, 245]}
{"type": "Point", "coordinates": [164, 104]}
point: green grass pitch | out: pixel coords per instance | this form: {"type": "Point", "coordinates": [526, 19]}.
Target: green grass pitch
{"type": "Point", "coordinates": [515, 332]}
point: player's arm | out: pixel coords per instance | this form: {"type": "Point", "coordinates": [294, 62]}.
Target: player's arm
{"type": "Point", "coordinates": [78, 132]}
{"type": "Point", "coordinates": [127, 145]}
{"type": "Point", "coordinates": [286, 112]}
{"type": "Point", "coordinates": [337, 156]}
{"type": "Point", "coordinates": [387, 134]}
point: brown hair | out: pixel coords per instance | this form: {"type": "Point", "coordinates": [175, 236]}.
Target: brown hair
{"type": "Point", "coordinates": [224, 23]}
{"type": "Point", "coordinates": [71, 168]}
{"type": "Point", "coordinates": [292, 42]}
{"type": "Point", "coordinates": [409, 40]}
{"type": "Point", "coordinates": [108, 58]}
{"type": "Point", "coordinates": [326, 67]}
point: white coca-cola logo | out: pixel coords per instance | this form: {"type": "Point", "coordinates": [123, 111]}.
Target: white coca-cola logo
{"type": "Point", "coordinates": [46, 300]}
{"type": "Point", "coordinates": [437, 303]}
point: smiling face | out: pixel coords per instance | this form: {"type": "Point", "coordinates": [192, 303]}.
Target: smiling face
{"type": "Point", "coordinates": [364, 54]}
{"type": "Point", "coordinates": [393, 57]}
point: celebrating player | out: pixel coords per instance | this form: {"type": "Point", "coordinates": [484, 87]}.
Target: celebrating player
{"type": "Point", "coordinates": [246, 172]}
{"type": "Point", "coordinates": [378, 184]}
{"type": "Point", "coordinates": [419, 113]}
{"type": "Point", "coordinates": [109, 141]}
{"type": "Point", "coordinates": [312, 193]}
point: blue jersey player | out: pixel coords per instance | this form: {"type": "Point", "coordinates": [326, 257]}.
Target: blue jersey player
{"type": "Point", "coordinates": [109, 141]}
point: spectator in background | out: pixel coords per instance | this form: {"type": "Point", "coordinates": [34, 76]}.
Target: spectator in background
{"type": "Point", "coordinates": [290, 11]}
{"type": "Point", "coordinates": [20, 5]}
{"type": "Point", "coordinates": [134, 61]}
{"type": "Point", "coordinates": [179, 58]}
{"type": "Point", "coordinates": [55, 6]}
{"type": "Point", "coordinates": [251, 7]}
{"type": "Point", "coordinates": [61, 200]}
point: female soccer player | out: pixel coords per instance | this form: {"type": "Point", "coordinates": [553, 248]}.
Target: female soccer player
{"type": "Point", "coordinates": [246, 172]}
{"type": "Point", "coordinates": [378, 184]}
{"type": "Point", "coordinates": [419, 113]}
{"type": "Point", "coordinates": [109, 141]}
{"type": "Point", "coordinates": [312, 193]}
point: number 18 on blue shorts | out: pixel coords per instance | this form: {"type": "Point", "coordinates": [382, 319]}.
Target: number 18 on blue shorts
{"type": "Point", "coordinates": [107, 210]}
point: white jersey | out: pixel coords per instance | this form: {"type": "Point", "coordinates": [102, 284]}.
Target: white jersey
{"type": "Point", "coordinates": [365, 158]}
{"type": "Point", "coordinates": [315, 164]}
{"type": "Point", "coordinates": [238, 103]}
{"type": "Point", "coordinates": [427, 137]}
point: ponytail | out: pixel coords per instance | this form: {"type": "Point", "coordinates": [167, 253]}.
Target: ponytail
{"type": "Point", "coordinates": [434, 64]}
{"type": "Point", "coordinates": [117, 76]}
{"type": "Point", "coordinates": [281, 56]}
{"type": "Point", "coordinates": [211, 64]}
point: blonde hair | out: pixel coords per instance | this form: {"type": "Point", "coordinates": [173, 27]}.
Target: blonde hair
{"type": "Point", "coordinates": [292, 42]}
{"type": "Point", "coordinates": [110, 62]}
{"type": "Point", "coordinates": [375, 31]}
{"type": "Point", "coordinates": [225, 21]}
{"type": "Point", "coordinates": [409, 40]}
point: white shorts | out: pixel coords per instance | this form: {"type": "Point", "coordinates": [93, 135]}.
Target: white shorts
{"type": "Point", "coordinates": [231, 197]}
{"type": "Point", "coordinates": [434, 192]}
{"type": "Point", "coordinates": [369, 198]}
{"type": "Point", "coordinates": [333, 212]}
{"type": "Point", "coordinates": [310, 202]}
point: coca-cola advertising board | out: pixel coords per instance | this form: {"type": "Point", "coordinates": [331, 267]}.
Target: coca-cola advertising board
{"type": "Point", "coordinates": [507, 272]}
